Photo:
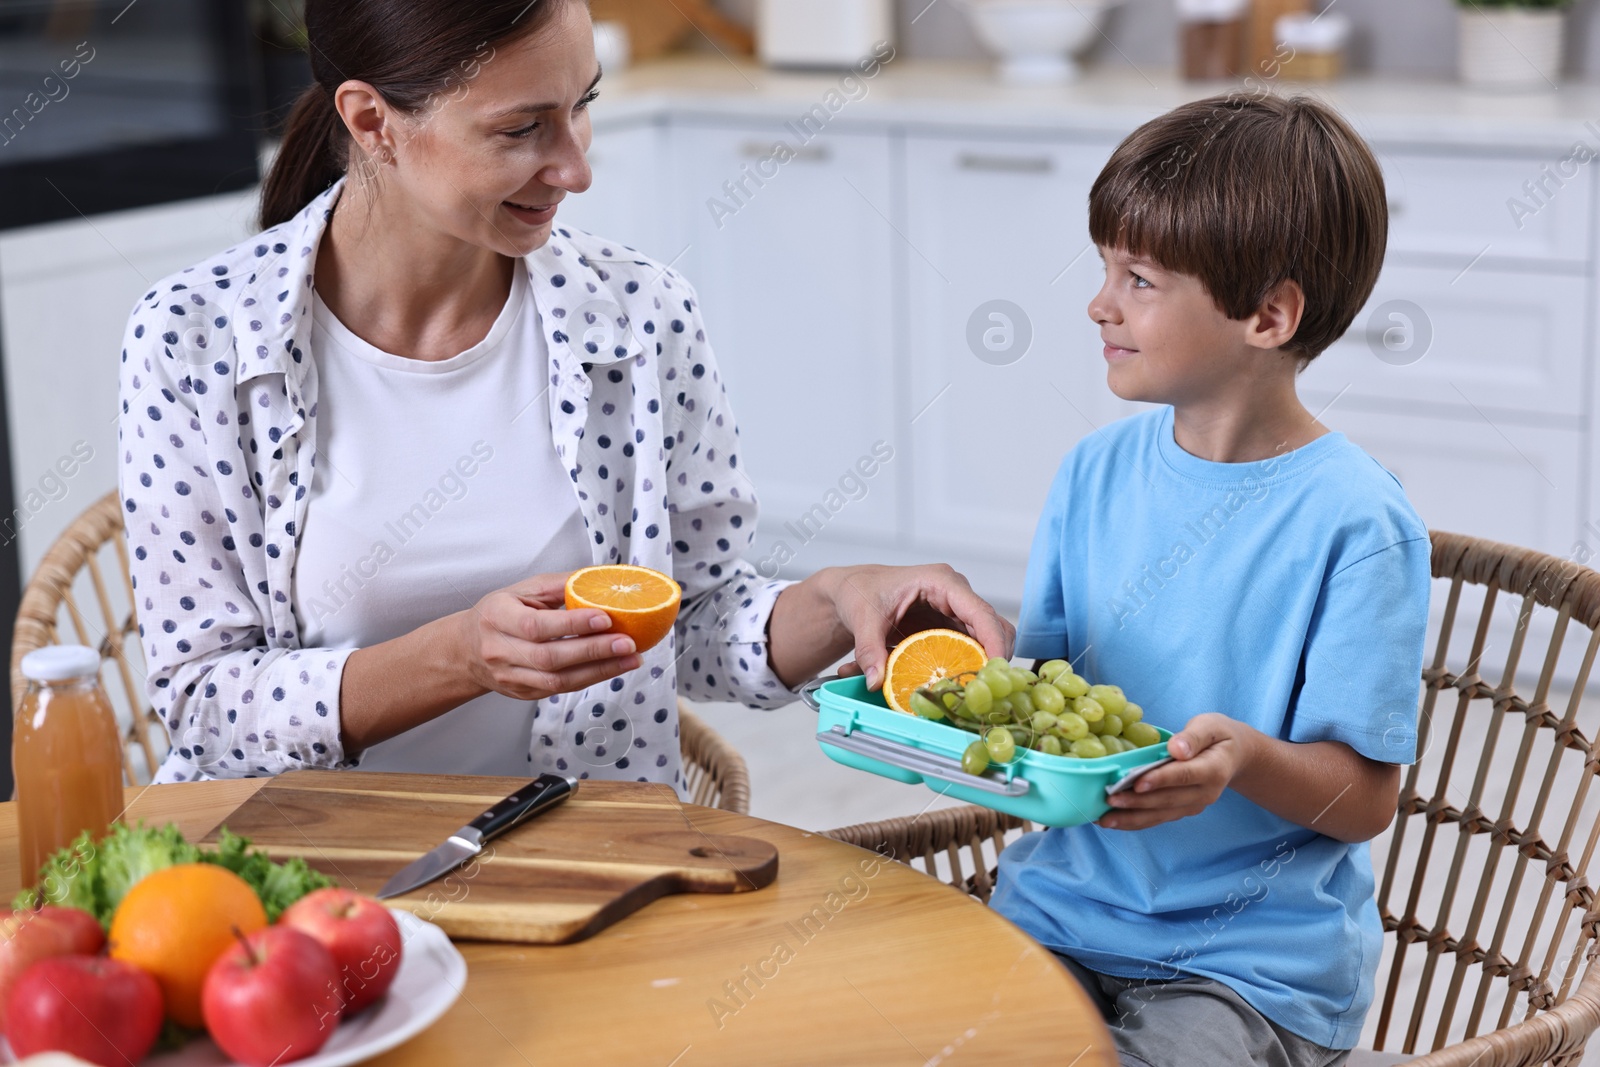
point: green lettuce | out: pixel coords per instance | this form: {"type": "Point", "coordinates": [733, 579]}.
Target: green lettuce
{"type": "Point", "coordinates": [95, 876]}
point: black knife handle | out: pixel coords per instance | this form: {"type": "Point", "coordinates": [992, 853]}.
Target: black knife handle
{"type": "Point", "coordinates": [539, 794]}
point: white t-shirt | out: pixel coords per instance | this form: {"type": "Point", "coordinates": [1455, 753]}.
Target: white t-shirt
{"type": "Point", "coordinates": [436, 483]}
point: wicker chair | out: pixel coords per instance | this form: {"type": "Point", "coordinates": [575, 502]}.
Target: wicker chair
{"type": "Point", "coordinates": [70, 590]}
{"type": "Point", "coordinates": [1493, 965]}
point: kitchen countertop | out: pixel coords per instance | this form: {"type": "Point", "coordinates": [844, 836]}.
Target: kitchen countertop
{"type": "Point", "coordinates": [1108, 101]}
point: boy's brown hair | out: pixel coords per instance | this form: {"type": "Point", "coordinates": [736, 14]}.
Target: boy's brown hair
{"type": "Point", "coordinates": [1245, 192]}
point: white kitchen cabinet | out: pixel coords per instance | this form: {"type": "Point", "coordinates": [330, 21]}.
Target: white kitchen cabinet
{"type": "Point", "coordinates": [998, 220]}
{"type": "Point", "coordinates": [1458, 205]}
{"type": "Point", "coordinates": [625, 200]}
{"type": "Point", "coordinates": [1483, 339]}
{"type": "Point", "coordinates": [794, 279]}
{"type": "Point", "coordinates": [1489, 478]}
{"type": "Point", "coordinates": [67, 289]}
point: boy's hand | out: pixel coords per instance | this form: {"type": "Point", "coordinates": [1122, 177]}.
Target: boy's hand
{"type": "Point", "coordinates": [1206, 754]}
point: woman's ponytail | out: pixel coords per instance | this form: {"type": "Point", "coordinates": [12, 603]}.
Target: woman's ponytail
{"type": "Point", "coordinates": [311, 158]}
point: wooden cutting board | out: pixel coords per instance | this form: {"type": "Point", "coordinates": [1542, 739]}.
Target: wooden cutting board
{"type": "Point", "coordinates": [601, 854]}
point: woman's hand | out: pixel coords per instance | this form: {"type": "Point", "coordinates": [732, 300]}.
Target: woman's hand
{"type": "Point", "coordinates": [519, 641]}
{"type": "Point", "coordinates": [865, 609]}
{"type": "Point", "coordinates": [522, 642]}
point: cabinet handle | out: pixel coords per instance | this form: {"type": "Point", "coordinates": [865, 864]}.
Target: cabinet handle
{"type": "Point", "coordinates": [1008, 164]}
{"type": "Point", "coordinates": [806, 153]}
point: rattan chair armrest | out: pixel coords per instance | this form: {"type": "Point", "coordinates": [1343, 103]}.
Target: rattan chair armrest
{"type": "Point", "coordinates": [1557, 1035]}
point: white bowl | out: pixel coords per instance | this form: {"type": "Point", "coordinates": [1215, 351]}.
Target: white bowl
{"type": "Point", "coordinates": [1037, 41]}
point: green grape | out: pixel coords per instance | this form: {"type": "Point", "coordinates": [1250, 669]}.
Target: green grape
{"type": "Point", "coordinates": [926, 708]}
{"type": "Point", "coordinates": [1111, 725]}
{"type": "Point", "coordinates": [975, 760]}
{"type": "Point", "coordinates": [1072, 726]}
{"type": "Point", "coordinates": [1110, 698]}
{"type": "Point", "coordinates": [1122, 743]}
{"type": "Point", "coordinates": [950, 700]}
{"type": "Point", "coordinates": [1052, 667]}
{"type": "Point", "coordinates": [1050, 746]}
{"type": "Point", "coordinates": [964, 712]}
{"type": "Point", "coordinates": [1022, 705]}
{"type": "Point", "coordinates": [998, 680]}
{"type": "Point", "coordinates": [1071, 685]}
{"type": "Point", "coordinates": [1021, 678]}
{"type": "Point", "coordinates": [979, 697]}
{"type": "Point", "coordinates": [1090, 708]}
{"type": "Point", "coordinates": [1002, 746]}
{"type": "Point", "coordinates": [998, 715]}
{"type": "Point", "coordinates": [1042, 721]}
{"type": "Point", "coordinates": [1087, 748]}
{"type": "Point", "coordinates": [1131, 714]}
{"type": "Point", "coordinates": [996, 663]}
{"type": "Point", "coordinates": [1097, 726]}
{"type": "Point", "coordinates": [1141, 734]}
{"type": "Point", "coordinates": [1047, 697]}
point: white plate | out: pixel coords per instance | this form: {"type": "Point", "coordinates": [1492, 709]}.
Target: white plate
{"type": "Point", "coordinates": [432, 975]}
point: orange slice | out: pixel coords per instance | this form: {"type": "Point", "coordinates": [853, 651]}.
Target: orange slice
{"type": "Point", "coordinates": [924, 658]}
{"type": "Point", "coordinates": [642, 602]}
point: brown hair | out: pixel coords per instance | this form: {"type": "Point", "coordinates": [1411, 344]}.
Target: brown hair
{"type": "Point", "coordinates": [1245, 192]}
{"type": "Point", "coordinates": [409, 50]}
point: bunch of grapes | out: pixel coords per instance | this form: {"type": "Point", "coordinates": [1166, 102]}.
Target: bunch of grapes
{"type": "Point", "coordinates": [1054, 711]}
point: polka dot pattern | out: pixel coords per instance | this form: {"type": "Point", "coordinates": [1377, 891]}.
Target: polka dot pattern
{"type": "Point", "coordinates": [217, 435]}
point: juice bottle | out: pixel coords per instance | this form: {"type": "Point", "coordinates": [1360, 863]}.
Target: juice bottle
{"type": "Point", "coordinates": [66, 754]}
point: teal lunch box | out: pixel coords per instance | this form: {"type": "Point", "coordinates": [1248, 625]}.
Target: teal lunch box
{"type": "Point", "coordinates": [856, 728]}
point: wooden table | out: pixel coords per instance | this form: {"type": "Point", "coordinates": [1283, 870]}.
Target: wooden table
{"type": "Point", "coordinates": [905, 970]}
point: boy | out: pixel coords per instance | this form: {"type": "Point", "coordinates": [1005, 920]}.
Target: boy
{"type": "Point", "coordinates": [1256, 582]}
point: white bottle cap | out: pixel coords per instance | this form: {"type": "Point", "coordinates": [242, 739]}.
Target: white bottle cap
{"type": "Point", "coordinates": [1211, 10]}
{"type": "Point", "coordinates": [1318, 34]}
{"type": "Point", "coordinates": [58, 663]}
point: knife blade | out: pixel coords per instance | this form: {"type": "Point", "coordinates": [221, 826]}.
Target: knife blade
{"type": "Point", "coordinates": [542, 793]}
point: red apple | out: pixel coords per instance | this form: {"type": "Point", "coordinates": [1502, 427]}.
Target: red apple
{"type": "Point", "coordinates": [95, 1008]}
{"type": "Point", "coordinates": [361, 934]}
{"type": "Point", "coordinates": [87, 936]}
{"type": "Point", "coordinates": [273, 997]}
{"type": "Point", "coordinates": [27, 937]}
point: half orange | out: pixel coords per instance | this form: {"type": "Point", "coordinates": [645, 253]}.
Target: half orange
{"type": "Point", "coordinates": [642, 603]}
{"type": "Point", "coordinates": [925, 658]}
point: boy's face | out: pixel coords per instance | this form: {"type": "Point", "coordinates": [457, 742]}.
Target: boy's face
{"type": "Point", "coordinates": [1166, 341]}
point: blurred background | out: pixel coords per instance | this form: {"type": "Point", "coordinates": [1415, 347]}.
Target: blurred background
{"type": "Point", "coordinates": [908, 281]}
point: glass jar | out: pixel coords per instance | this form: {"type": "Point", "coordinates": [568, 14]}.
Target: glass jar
{"type": "Point", "coordinates": [66, 754]}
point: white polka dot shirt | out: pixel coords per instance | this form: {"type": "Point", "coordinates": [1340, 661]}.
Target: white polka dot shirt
{"type": "Point", "coordinates": [218, 441]}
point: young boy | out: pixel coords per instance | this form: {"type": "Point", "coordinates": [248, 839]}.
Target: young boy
{"type": "Point", "coordinates": [1258, 583]}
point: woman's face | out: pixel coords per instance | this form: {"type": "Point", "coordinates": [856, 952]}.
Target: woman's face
{"type": "Point", "coordinates": [488, 159]}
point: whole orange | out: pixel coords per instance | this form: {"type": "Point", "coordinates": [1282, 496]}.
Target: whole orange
{"type": "Point", "coordinates": [174, 923]}
{"type": "Point", "coordinates": [641, 602]}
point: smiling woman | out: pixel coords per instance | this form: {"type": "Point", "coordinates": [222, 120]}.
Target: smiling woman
{"type": "Point", "coordinates": [316, 587]}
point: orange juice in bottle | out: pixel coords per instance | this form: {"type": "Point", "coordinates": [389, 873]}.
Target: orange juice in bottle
{"type": "Point", "coordinates": [66, 754]}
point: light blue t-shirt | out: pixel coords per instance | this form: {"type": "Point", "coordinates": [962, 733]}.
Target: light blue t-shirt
{"type": "Point", "coordinates": [1290, 594]}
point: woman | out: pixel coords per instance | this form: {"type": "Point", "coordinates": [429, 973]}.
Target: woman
{"type": "Point", "coordinates": [362, 450]}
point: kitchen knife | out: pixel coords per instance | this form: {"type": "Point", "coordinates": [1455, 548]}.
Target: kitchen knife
{"type": "Point", "coordinates": [543, 792]}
